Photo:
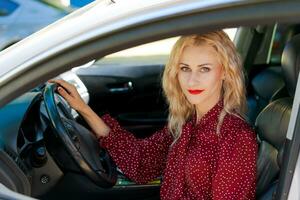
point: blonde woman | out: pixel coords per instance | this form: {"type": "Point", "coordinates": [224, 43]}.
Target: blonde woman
{"type": "Point", "coordinates": [207, 150]}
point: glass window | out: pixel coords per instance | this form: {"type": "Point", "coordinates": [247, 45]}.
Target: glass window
{"type": "Point", "coordinates": [151, 53]}
{"type": "Point", "coordinates": [7, 7]}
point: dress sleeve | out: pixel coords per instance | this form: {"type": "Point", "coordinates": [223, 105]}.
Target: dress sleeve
{"type": "Point", "coordinates": [235, 178]}
{"type": "Point", "coordinates": [141, 160]}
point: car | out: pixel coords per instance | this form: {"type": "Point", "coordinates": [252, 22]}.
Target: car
{"type": "Point", "coordinates": [79, 3]}
{"type": "Point", "coordinates": [19, 19]}
{"type": "Point", "coordinates": [48, 153]}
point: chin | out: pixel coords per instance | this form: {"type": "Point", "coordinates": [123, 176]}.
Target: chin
{"type": "Point", "coordinates": [194, 101]}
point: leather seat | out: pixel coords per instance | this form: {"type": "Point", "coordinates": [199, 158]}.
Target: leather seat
{"type": "Point", "coordinates": [268, 85]}
{"type": "Point", "coordinates": [272, 124]}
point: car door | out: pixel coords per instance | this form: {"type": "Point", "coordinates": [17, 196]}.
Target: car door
{"type": "Point", "coordinates": [128, 85]}
{"type": "Point", "coordinates": [73, 54]}
{"type": "Point", "coordinates": [130, 92]}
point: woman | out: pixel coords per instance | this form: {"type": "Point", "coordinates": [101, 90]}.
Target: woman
{"type": "Point", "coordinates": [207, 150]}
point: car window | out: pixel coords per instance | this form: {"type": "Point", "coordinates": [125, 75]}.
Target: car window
{"type": "Point", "coordinates": [284, 33]}
{"type": "Point", "coordinates": [7, 7]}
{"type": "Point", "coordinates": [152, 53]}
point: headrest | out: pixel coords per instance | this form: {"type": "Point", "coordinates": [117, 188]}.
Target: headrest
{"type": "Point", "coordinates": [290, 62]}
{"type": "Point", "coordinates": [268, 82]}
{"type": "Point", "coordinates": [272, 122]}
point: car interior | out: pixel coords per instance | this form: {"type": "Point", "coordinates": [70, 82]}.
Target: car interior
{"type": "Point", "coordinates": [130, 90]}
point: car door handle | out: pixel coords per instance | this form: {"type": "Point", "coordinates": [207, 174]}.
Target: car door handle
{"type": "Point", "coordinates": [125, 88]}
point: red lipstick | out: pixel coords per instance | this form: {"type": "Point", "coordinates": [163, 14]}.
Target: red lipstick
{"type": "Point", "coordinates": [195, 91]}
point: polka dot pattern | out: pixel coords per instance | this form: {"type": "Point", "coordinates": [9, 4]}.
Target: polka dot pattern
{"type": "Point", "coordinates": [200, 165]}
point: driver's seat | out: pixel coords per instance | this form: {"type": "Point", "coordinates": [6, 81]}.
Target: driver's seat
{"type": "Point", "coordinates": [272, 124]}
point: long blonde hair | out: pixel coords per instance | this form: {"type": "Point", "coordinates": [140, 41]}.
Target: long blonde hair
{"type": "Point", "coordinates": [233, 89]}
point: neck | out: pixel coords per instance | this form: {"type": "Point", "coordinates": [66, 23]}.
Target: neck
{"type": "Point", "coordinates": [201, 110]}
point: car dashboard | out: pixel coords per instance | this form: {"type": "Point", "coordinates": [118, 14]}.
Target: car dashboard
{"type": "Point", "coordinates": [24, 128]}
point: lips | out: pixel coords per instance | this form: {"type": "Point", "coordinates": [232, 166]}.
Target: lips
{"type": "Point", "coordinates": [195, 91]}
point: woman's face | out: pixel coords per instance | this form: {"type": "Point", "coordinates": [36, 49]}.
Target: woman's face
{"type": "Point", "coordinates": [200, 75]}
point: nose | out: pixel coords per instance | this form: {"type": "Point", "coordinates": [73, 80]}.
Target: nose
{"type": "Point", "coordinates": [193, 79]}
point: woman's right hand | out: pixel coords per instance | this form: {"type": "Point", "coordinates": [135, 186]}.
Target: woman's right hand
{"type": "Point", "coordinates": [70, 94]}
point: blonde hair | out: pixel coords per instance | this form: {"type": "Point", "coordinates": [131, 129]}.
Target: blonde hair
{"type": "Point", "coordinates": [233, 89]}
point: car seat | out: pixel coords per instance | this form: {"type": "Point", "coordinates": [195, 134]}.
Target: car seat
{"type": "Point", "coordinates": [272, 124]}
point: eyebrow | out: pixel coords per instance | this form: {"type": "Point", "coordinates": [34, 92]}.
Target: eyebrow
{"type": "Point", "coordinates": [197, 65]}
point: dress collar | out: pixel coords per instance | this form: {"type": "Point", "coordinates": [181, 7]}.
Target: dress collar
{"type": "Point", "coordinates": [210, 117]}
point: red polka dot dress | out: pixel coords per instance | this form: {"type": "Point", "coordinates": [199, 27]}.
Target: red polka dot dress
{"type": "Point", "coordinates": [200, 165]}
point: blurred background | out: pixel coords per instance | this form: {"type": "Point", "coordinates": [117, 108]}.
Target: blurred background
{"type": "Point", "coordinates": [21, 18]}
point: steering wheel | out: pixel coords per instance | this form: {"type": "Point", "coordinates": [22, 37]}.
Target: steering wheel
{"type": "Point", "coordinates": [80, 143]}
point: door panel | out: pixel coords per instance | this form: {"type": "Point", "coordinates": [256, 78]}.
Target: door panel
{"type": "Point", "coordinates": [132, 94]}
